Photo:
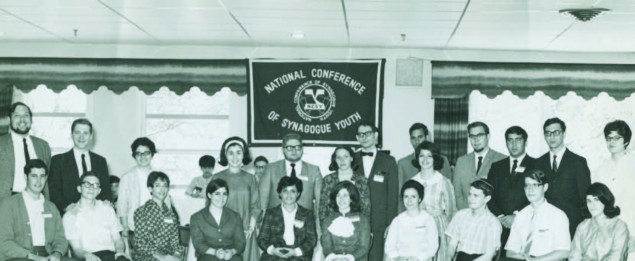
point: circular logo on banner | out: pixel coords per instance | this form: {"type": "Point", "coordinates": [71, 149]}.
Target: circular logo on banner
{"type": "Point", "coordinates": [314, 100]}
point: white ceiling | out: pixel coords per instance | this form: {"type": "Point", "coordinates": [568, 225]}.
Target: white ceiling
{"type": "Point", "coordinates": [439, 24]}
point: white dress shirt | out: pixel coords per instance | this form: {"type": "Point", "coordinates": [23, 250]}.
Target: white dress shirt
{"type": "Point", "coordinates": [297, 167]}
{"type": "Point", "coordinates": [19, 180]}
{"type": "Point", "coordinates": [368, 162]}
{"type": "Point", "coordinates": [78, 160]}
{"type": "Point", "coordinates": [35, 211]}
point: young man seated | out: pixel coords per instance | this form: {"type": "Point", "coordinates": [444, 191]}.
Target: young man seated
{"type": "Point", "coordinates": [540, 231]}
{"type": "Point", "coordinates": [92, 227]}
{"type": "Point", "coordinates": [474, 233]}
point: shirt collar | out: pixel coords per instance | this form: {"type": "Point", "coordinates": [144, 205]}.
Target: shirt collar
{"type": "Point", "coordinates": [286, 212]}
{"type": "Point", "coordinates": [558, 153]}
{"type": "Point", "coordinates": [520, 159]}
{"type": "Point", "coordinates": [31, 200]}
{"type": "Point", "coordinates": [482, 153]}
{"type": "Point", "coordinates": [16, 136]}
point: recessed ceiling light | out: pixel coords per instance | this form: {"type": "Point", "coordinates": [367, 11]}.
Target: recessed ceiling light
{"type": "Point", "coordinates": [297, 35]}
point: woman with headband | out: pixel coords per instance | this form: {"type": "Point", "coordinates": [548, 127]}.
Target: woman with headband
{"type": "Point", "coordinates": [244, 190]}
{"type": "Point", "coordinates": [474, 233]}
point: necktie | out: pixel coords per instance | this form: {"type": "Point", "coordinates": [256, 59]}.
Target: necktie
{"type": "Point", "coordinates": [478, 165]}
{"type": "Point", "coordinates": [530, 238]}
{"type": "Point", "coordinates": [293, 175]}
{"type": "Point", "coordinates": [84, 168]}
{"type": "Point", "coordinates": [26, 151]}
{"type": "Point", "coordinates": [514, 167]}
{"type": "Point", "coordinates": [554, 166]}
{"type": "Point", "coordinates": [370, 154]}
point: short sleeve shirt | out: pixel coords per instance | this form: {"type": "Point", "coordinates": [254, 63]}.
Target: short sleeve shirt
{"type": "Point", "coordinates": [548, 230]}
{"type": "Point", "coordinates": [93, 227]}
{"type": "Point", "coordinates": [476, 234]}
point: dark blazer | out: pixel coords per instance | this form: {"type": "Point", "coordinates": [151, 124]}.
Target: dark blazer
{"type": "Point", "coordinates": [64, 178]}
{"type": "Point", "coordinates": [272, 230]}
{"type": "Point", "coordinates": [7, 162]}
{"type": "Point", "coordinates": [15, 231]}
{"type": "Point", "coordinates": [567, 187]}
{"type": "Point", "coordinates": [509, 192]}
{"type": "Point", "coordinates": [384, 193]}
{"type": "Point", "coordinates": [206, 233]}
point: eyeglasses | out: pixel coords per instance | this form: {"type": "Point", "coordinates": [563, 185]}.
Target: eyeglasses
{"type": "Point", "coordinates": [292, 147]}
{"type": "Point", "coordinates": [260, 167]}
{"type": "Point", "coordinates": [363, 135]}
{"type": "Point", "coordinates": [553, 133]}
{"type": "Point", "coordinates": [477, 136]}
{"type": "Point", "coordinates": [613, 138]}
{"type": "Point", "coordinates": [142, 154]}
{"type": "Point", "coordinates": [89, 185]}
{"type": "Point", "coordinates": [533, 186]}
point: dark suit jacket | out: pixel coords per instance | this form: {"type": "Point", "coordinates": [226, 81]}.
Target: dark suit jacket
{"type": "Point", "coordinates": [272, 231]}
{"type": "Point", "coordinates": [7, 162]}
{"type": "Point", "coordinates": [310, 176]}
{"type": "Point", "coordinates": [15, 231]}
{"type": "Point", "coordinates": [567, 187]}
{"type": "Point", "coordinates": [384, 193]}
{"type": "Point", "coordinates": [509, 192]}
{"type": "Point", "coordinates": [206, 233]}
{"type": "Point", "coordinates": [64, 178]}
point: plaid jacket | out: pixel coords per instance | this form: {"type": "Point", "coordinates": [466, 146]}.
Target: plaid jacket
{"type": "Point", "coordinates": [272, 230]}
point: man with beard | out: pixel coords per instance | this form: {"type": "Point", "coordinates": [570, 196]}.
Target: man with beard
{"type": "Point", "coordinates": [474, 165]}
{"type": "Point", "coordinates": [17, 148]}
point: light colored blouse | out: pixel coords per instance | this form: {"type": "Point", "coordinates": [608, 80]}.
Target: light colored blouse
{"type": "Point", "coordinates": [595, 241]}
{"type": "Point", "coordinates": [412, 237]}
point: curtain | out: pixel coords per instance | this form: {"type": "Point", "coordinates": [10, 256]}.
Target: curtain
{"type": "Point", "coordinates": [450, 123]}
{"type": "Point", "coordinates": [6, 94]}
{"type": "Point", "coordinates": [458, 79]}
{"type": "Point", "coordinates": [118, 75]}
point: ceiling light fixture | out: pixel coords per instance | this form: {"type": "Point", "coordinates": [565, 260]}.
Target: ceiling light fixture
{"type": "Point", "coordinates": [584, 14]}
{"type": "Point", "coordinates": [297, 35]}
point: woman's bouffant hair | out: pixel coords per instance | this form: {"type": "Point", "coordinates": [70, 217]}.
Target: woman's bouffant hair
{"type": "Point", "coordinates": [352, 193]}
{"type": "Point", "coordinates": [604, 194]}
{"type": "Point", "coordinates": [436, 155]}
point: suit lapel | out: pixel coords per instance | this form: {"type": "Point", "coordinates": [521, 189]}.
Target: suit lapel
{"type": "Point", "coordinates": [10, 160]}
{"type": "Point", "coordinates": [472, 166]}
{"type": "Point", "coordinates": [71, 165]}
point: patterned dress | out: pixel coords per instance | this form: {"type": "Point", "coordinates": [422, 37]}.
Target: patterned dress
{"type": "Point", "coordinates": [329, 182]}
{"type": "Point", "coordinates": [243, 198]}
{"type": "Point", "coordinates": [157, 231]}
{"type": "Point", "coordinates": [439, 201]}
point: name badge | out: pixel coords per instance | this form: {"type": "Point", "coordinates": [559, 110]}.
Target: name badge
{"type": "Point", "coordinates": [520, 169]}
{"type": "Point", "coordinates": [420, 227]}
{"type": "Point", "coordinates": [303, 178]}
{"type": "Point", "coordinates": [378, 178]}
{"type": "Point", "coordinates": [354, 219]}
{"type": "Point", "coordinates": [47, 215]}
{"type": "Point", "coordinates": [168, 220]}
{"type": "Point", "coordinates": [298, 223]}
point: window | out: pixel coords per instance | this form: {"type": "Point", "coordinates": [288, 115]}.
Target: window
{"type": "Point", "coordinates": [53, 114]}
{"type": "Point", "coordinates": [184, 128]}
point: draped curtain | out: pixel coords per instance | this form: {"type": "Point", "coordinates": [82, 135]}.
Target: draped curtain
{"type": "Point", "coordinates": [118, 75]}
{"type": "Point", "coordinates": [450, 122]}
{"type": "Point", "coordinates": [6, 94]}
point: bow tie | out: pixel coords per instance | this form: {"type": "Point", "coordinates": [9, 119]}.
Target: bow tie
{"type": "Point", "coordinates": [370, 154]}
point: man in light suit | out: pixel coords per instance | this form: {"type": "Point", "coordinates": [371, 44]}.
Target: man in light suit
{"type": "Point", "coordinates": [292, 166]}
{"type": "Point", "coordinates": [418, 134]}
{"type": "Point", "coordinates": [13, 155]}
{"type": "Point", "coordinates": [568, 174]}
{"type": "Point", "coordinates": [68, 167]}
{"type": "Point", "coordinates": [507, 177]}
{"type": "Point", "coordinates": [474, 165]}
{"type": "Point", "coordinates": [381, 171]}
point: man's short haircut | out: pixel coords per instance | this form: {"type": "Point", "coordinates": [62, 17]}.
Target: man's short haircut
{"type": "Point", "coordinates": [537, 175]}
{"type": "Point", "coordinates": [418, 126]}
{"type": "Point", "coordinates": [621, 128]}
{"type": "Point", "coordinates": [207, 161]}
{"type": "Point", "coordinates": [352, 193]}
{"type": "Point", "coordinates": [483, 185]}
{"type": "Point", "coordinates": [554, 120]}
{"type": "Point", "coordinates": [143, 141]}
{"type": "Point", "coordinates": [413, 184]}
{"type": "Point", "coordinates": [86, 175]}
{"type": "Point", "coordinates": [113, 179]}
{"type": "Point", "coordinates": [516, 130]}
{"type": "Point", "coordinates": [82, 121]}
{"type": "Point", "coordinates": [604, 194]}
{"type": "Point", "coordinates": [367, 124]}
{"type": "Point", "coordinates": [35, 164]}
{"type": "Point", "coordinates": [291, 136]}
{"type": "Point", "coordinates": [288, 181]}
{"type": "Point", "coordinates": [15, 105]}
{"type": "Point", "coordinates": [261, 158]}
{"type": "Point", "coordinates": [157, 175]}
{"type": "Point", "coordinates": [478, 124]}
{"type": "Point", "coordinates": [437, 160]}
{"type": "Point", "coordinates": [333, 166]}
{"type": "Point", "coordinates": [234, 141]}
